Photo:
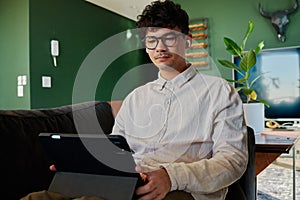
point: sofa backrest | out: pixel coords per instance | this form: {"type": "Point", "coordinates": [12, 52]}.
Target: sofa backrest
{"type": "Point", "coordinates": [24, 167]}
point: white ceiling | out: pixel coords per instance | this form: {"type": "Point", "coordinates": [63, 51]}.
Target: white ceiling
{"type": "Point", "coordinates": [127, 8]}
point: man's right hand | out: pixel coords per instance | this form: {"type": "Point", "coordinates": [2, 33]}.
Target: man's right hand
{"type": "Point", "coordinates": [157, 186]}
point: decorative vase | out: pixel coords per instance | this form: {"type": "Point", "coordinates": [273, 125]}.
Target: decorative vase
{"type": "Point", "coordinates": [255, 116]}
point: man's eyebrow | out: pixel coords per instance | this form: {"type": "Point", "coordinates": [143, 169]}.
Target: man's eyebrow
{"type": "Point", "coordinates": [171, 32]}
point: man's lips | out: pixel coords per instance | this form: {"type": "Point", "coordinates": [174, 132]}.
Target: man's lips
{"type": "Point", "coordinates": [162, 56]}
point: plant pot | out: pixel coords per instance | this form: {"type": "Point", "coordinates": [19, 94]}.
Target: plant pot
{"type": "Point", "coordinates": [255, 116]}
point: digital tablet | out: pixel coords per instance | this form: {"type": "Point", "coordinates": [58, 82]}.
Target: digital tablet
{"type": "Point", "coordinates": [108, 155]}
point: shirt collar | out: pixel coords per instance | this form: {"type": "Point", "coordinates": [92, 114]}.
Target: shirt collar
{"type": "Point", "coordinates": [179, 80]}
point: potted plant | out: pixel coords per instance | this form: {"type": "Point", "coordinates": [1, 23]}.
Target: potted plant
{"type": "Point", "coordinates": [245, 84]}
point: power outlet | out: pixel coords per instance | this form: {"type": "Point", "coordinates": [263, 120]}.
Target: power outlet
{"type": "Point", "coordinates": [46, 81]}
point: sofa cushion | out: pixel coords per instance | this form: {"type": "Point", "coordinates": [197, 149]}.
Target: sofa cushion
{"type": "Point", "coordinates": [24, 168]}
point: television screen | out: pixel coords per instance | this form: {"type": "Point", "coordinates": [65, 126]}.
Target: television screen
{"type": "Point", "coordinates": [280, 82]}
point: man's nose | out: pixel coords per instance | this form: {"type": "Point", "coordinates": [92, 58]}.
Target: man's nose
{"type": "Point", "coordinates": [161, 45]}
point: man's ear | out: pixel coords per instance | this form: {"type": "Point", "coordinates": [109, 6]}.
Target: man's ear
{"type": "Point", "coordinates": [188, 40]}
{"type": "Point", "coordinates": [188, 44]}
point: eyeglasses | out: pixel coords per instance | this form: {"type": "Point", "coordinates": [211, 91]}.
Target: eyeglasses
{"type": "Point", "coordinates": [168, 39]}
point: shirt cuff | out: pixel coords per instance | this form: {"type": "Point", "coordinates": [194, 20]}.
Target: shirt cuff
{"type": "Point", "coordinates": [177, 176]}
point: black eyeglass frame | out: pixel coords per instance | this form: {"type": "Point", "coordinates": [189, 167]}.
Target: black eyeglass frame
{"type": "Point", "coordinates": [163, 38]}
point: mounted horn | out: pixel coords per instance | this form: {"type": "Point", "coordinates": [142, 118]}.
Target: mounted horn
{"type": "Point", "coordinates": [264, 13]}
{"type": "Point", "coordinates": [293, 9]}
{"type": "Point", "coordinates": [279, 19]}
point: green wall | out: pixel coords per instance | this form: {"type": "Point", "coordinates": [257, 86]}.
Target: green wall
{"type": "Point", "coordinates": [14, 52]}
{"type": "Point", "coordinates": [28, 26]}
{"type": "Point", "coordinates": [230, 18]}
{"type": "Point", "coordinates": [80, 27]}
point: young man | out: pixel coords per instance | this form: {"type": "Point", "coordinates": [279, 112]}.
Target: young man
{"type": "Point", "coordinates": [186, 128]}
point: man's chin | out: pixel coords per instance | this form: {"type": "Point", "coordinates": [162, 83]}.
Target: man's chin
{"type": "Point", "coordinates": [164, 66]}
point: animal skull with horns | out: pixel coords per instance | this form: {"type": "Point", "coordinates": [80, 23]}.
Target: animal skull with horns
{"type": "Point", "coordinates": [279, 19]}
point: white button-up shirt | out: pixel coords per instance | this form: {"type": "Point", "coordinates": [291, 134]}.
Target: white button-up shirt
{"type": "Point", "coordinates": [192, 126]}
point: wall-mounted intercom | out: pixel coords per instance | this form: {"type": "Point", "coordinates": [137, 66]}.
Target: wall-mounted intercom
{"type": "Point", "coordinates": [54, 51]}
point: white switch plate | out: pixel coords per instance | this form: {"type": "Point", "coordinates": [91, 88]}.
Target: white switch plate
{"type": "Point", "coordinates": [20, 90]}
{"type": "Point", "coordinates": [46, 81]}
{"type": "Point", "coordinates": [22, 80]}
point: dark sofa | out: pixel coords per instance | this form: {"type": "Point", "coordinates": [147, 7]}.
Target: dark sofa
{"type": "Point", "coordinates": [24, 167]}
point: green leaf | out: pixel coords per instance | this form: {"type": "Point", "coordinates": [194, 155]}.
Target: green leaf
{"type": "Point", "coordinates": [247, 92]}
{"type": "Point", "coordinates": [239, 88]}
{"type": "Point", "coordinates": [259, 47]}
{"type": "Point", "coordinates": [240, 81]}
{"type": "Point", "coordinates": [230, 80]}
{"type": "Point", "coordinates": [229, 64]}
{"type": "Point", "coordinates": [248, 32]}
{"type": "Point", "coordinates": [254, 80]}
{"type": "Point", "coordinates": [248, 61]}
{"type": "Point", "coordinates": [232, 47]}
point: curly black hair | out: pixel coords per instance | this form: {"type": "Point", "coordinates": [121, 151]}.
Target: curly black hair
{"type": "Point", "coordinates": [163, 14]}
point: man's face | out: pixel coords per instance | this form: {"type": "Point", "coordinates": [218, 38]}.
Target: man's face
{"type": "Point", "coordinates": [166, 47]}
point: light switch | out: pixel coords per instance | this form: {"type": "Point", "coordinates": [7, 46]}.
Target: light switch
{"type": "Point", "coordinates": [46, 81]}
{"type": "Point", "coordinates": [24, 80]}
{"type": "Point", "coordinates": [19, 80]}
